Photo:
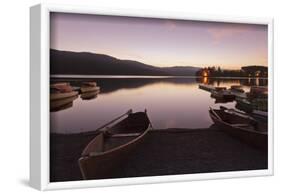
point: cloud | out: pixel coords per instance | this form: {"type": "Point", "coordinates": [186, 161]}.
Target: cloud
{"type": "Point", "coordinates": [171, 25]}
{"type": "Point", "coordinates": [220, 34]}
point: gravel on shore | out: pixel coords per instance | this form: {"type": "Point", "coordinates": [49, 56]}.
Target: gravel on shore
{"type": "Point", "coordinates": [164, 152]}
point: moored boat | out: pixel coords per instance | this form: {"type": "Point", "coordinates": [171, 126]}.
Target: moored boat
{"type": "Point", "coordinates": [238, 92]}
{"type": "Point", "coordinates": [244, 104]}
{"type": "Point", "coordinates": [237, 88]}
{"type": "Point", "coordinates": [89, 87]}
{"type": "Point", "coordinates": [60, 91]}
{"type": "Point", "coordinates": [111, 146]}
{"type": "Point", "coordinates": [222, 93]}
{"type": "Point", "coordinates": [241, 126]}
{"type": "Point", "coordinates": [89, 95]}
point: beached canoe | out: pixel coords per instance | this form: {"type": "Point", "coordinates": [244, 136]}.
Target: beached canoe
{"type": "Point", "coordinates": [109, 148]}
{"type": "Point", "coordinates": [241, 126]}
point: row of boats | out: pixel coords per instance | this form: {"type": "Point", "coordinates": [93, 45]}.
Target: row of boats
{"type": "Point", "coordinates": [113, 143]}
{"type": "Point", "coordinates": [117, 138]}
{"type": "Point", "coordinates": [253, 102]}
{"type": "Point", "coordinates": [63, 94]}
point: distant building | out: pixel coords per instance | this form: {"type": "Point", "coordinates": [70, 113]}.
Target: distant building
{"type": "Point", "coordinates": [255, 71]}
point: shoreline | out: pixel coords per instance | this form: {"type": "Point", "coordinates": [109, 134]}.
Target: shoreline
{"type": "Point", "coordinates": [164, 152]}
{"type": "Point", "coordinates": [78, 76]}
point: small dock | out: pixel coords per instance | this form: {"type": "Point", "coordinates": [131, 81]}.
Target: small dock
{"type": "Point", "coordinates": [206, 87]}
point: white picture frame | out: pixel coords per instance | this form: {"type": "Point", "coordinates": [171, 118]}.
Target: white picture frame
{"type": "Point", "coordinates": [39, 102]}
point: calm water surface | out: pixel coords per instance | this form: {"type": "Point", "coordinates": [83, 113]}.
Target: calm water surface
{"type": "Point", "coordinates": [170, 102]}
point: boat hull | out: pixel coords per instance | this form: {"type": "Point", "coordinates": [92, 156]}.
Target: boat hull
{"type": "Point", "coordinates": [99, 159]}
{"type": "Point", "coordinates": [253, 138]}
{"type": "Point", "coordinates": [89, 95]}
{"type": "Point", "coordinates": [101, 166]}
{"type": "Point", "coordinates": [59, 96]}
{"type": "Point", "coordinates": [222, 96]}
{"type": "Point", "coordinates": [89, 89]}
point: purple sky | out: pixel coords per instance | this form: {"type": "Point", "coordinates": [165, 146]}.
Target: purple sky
{"type": "Point", "coordinates": [162, 42]}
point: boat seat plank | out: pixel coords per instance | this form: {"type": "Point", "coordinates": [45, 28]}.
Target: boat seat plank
{"type": "Point", "coordinates": [240, 125]}
{"type": "Point", "coordinates": [126, 135]}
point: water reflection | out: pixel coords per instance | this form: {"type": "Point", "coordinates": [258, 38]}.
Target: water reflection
{"type": "Point", "coordinates": [233, 81]}
{"type": "Point", "coordinates": [89, 95]}
{"type": "Point", "coordinates": [171, 102]}
{"type": "Point", "coordinates": [62, 104]}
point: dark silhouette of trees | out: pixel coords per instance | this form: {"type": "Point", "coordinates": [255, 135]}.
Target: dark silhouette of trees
{"type": "Point", "coordinates": [246, 71]}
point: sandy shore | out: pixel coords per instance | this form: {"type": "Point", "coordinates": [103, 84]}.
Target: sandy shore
{"type": "Point", "coordinates": [166, 152]}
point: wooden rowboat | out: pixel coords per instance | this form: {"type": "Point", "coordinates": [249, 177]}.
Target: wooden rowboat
{"type": "Point", "coordinates": [111, 146]}
{"type": "Point", "coordinates": [241, 126]}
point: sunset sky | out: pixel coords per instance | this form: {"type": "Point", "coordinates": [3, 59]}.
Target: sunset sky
{"type": "Point", "coordinates": [162, 42]}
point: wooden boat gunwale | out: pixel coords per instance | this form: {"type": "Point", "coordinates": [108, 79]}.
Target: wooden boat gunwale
{"type": "Point", "coordinates": [118, 147]}
{"type": "Point", "coordinates": [213, 115]}
{"type": "Point", "coordinates": [93, 154]}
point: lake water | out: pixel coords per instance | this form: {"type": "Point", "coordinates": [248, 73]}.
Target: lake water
{"type": "Point", "coordinates": [170, 102]}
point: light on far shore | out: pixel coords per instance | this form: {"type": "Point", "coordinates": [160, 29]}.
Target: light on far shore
{"type": "Point", "coordinates": [205, 74]}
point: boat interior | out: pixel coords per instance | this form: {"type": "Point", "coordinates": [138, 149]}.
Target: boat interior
{"type": "Point", "coordinates": [119, 134]}
{"type": "Point", "coordinates": [240, 121]}
{"type": "Point", "coordinates": [134, 123]}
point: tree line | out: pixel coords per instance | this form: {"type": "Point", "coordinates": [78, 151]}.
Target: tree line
{"type": "Point", "coordinates": [246, 71]}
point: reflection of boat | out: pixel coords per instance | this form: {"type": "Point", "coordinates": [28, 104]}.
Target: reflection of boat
{"type": "Point", "coordinates": [89, 87]}
{"type": "Point", "coordinates": [61, 104]}
{"type": "Point", "coordinates": [241, 126]}
{"type": "Point", "coordinates": [65, 103]}
{"type": "Point", "coordinates": [105, 152]}
{"type": "Point", "coordinates": [61, 90]}
{"type": "Point", "coordinates": [89, 95]}
{"type": "Point", "coordinates": [222, 93]}
{"type": "Point", "coordinates": [258, 92]}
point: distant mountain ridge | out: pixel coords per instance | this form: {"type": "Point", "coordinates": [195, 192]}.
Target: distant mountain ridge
{"type": "Point", "coordinates": [85, 63]}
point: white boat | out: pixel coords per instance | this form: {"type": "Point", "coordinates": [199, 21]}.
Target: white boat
{"type": "Point", "coordinates": [89, 95]}
{"type": "Point", "coordinates": [89, 87]}
{"type": "Point", "coordinates": [60, 91]}
{"type": "Point", "coordinates": [84, 89]}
